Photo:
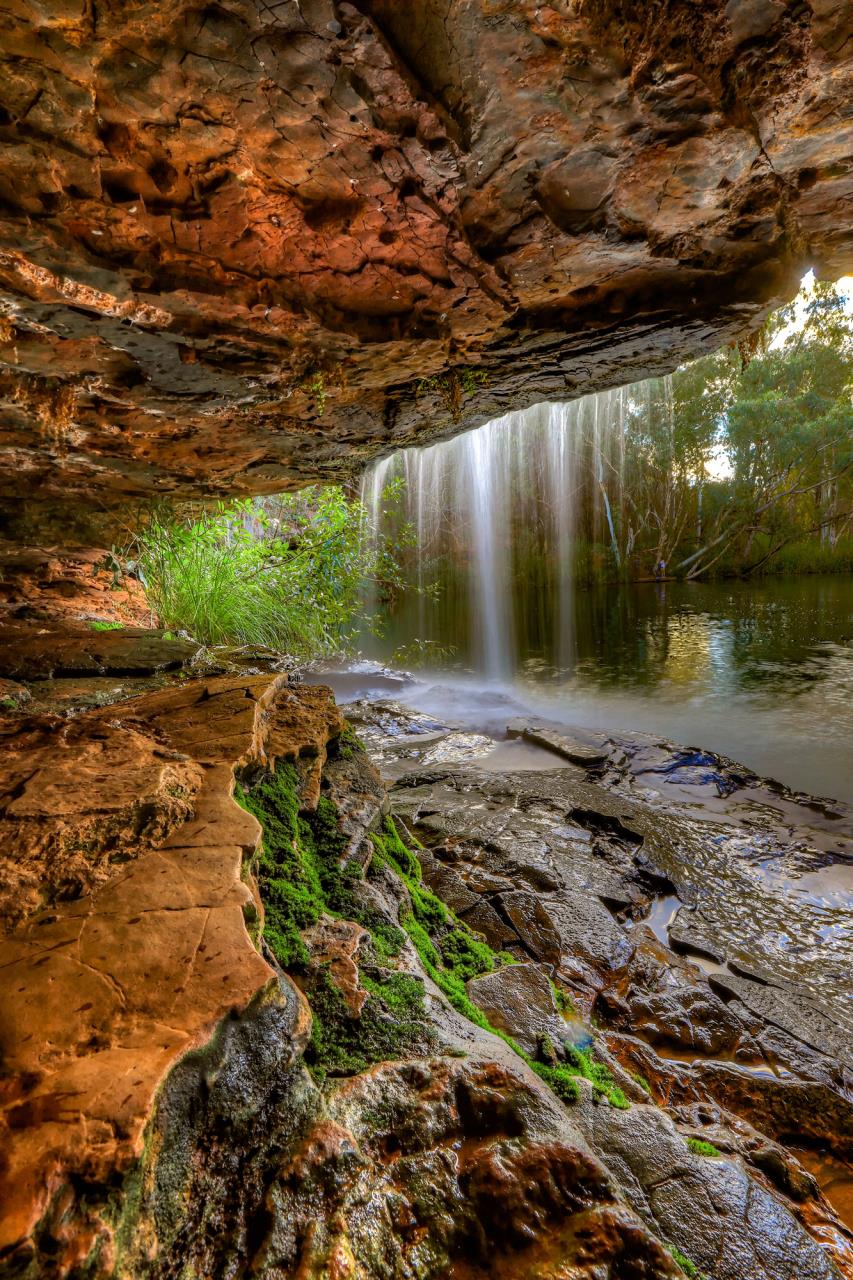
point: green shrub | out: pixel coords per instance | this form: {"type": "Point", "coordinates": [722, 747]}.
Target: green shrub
{"type": "Point", "coordinates": [236, 573]}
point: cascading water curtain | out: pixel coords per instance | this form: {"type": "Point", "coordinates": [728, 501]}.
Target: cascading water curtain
{"type": "Point", "coordinates": [497, 516]}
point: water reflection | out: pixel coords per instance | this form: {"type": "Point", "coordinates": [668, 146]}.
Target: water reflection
{"type": "Point", "coordinates": [761, 672]}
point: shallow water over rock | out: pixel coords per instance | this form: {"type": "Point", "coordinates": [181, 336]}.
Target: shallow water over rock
{"type": "Point", "coordinates": [761, 672]}
{"type": "Point", "coordinates": [760, 878]}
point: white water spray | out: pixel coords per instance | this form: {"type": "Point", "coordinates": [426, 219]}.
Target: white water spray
{"type": "Point", "coordinates": [494, 514]}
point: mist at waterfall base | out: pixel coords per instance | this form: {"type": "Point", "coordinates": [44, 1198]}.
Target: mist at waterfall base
{"type": "Point", "coordinates": [494, 623]}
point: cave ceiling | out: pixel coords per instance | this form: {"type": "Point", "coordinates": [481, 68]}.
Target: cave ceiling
{"type": "Point", "coordinates": [250, 244]}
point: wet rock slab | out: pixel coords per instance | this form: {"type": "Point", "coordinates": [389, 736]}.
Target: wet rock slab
{"type": "Point", "coordinates": [587, 750]}
{"type": "Point", "coordinates": [561, 867]}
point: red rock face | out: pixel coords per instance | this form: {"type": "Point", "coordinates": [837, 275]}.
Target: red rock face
{"type": "Point", "coordinates": [105, 991]}
{"type": "Point", "coordinates": [245, 245]}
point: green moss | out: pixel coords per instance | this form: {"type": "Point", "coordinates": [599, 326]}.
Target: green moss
{"type": "Point", "coordinates": [391, 1024]}
{"type": "Point", "coordinates": [641, 1081]}
{"type": "Point", "coordinates": [700, 1148]}
{"type": "Point", "coordinates": [105, 626]}
{"type": "Point", "coordinates": [597, 1074]}
{"type": "Point", "coordinates": [562, 999]}
{"type": "Point", "coordinates": [288, 875]}
{"type": "Point", "coordinates": [302, 874]}
{"type": "Point", "coordinates": [689, 1268]}
{"type": "Point", "coordinates": [451, 954]}
{"type": "Point", "coordinates": [466, 955]}
{"type": "Point", "coordinates": [559, 1078]}
{"type": "Point", "coordinates": [388, 940]}
{"type": "Point", "coordinates": [348, 744]}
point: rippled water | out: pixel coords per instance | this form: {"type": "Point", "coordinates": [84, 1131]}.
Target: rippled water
{"type": "Point", "coordinates": [762, 673]}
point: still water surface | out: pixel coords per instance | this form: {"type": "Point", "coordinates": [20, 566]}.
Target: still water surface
{"type": "Point", "coordinates": [760, 672]}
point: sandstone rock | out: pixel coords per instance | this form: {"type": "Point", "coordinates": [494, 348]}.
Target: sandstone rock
{"type": "Point", "coordinates": [434, 215]}
{"type": "Point", "coordinates": [429, 1167]}
{"type": "Point", "coordinates": [12, 695]}
{"type": "Point", "coordinates": [31, 651]}
{"type": "Point", "coordinates": [66, 584]}
{"type": "Point", "coordinates": [791, 1011]}
{"type": "Point", "coordinates": [533, 923]}
{"type": "Point", "coordinates": [107, 991]}
{"type": "Point", "coordinates": [728, 1225]}
{"type": "Point", "coordinates": [668, 1000]}
{"type": "Point", "coordinates": [586, 753]}
{"type": "Point", "coordinates": [518, 999]}
{"type": "Point", "coordinates": [333, 945]}
{"type": "Point", "coordinates": [499, 934]}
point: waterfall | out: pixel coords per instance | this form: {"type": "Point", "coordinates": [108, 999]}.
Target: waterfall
{"type": "Point", "coordinates": [494, 516]}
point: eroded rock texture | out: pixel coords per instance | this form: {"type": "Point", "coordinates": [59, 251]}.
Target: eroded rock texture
{"type": "Point", "coordinates": [247, 244]}
{"type": "Point", "coordinates": [174, 1104]}
{"type": "Point", "coordinates": [121, 826]}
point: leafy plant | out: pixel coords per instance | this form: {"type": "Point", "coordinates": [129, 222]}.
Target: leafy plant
{"type": "Point", "coordinates": [287, 573]}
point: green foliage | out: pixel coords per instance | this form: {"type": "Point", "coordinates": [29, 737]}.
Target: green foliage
{"type": "Point", "coordinates": [453, 385]}
{"type": "Point", "coordinates": [423, 653]}
{"type": "Point", "coordinates": [700, 1148]}
{"type": "Point", "coordinates": [641, 1081]}
{"type": "Point", "coordinates": [100, 625]}
{"type": "Point", "coordinates": [288, 573]}
{"type": "Point", "coordinates": [562, 999]}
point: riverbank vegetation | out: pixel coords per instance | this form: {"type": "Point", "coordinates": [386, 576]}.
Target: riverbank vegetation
{"type": "Point", "coordinates": [293, 573]}
{"type": "Point", "coordinates": [739, 463]}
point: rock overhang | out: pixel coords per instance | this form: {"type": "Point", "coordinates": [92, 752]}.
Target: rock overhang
{"type": "Point", "coordinates": [245, 247]}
